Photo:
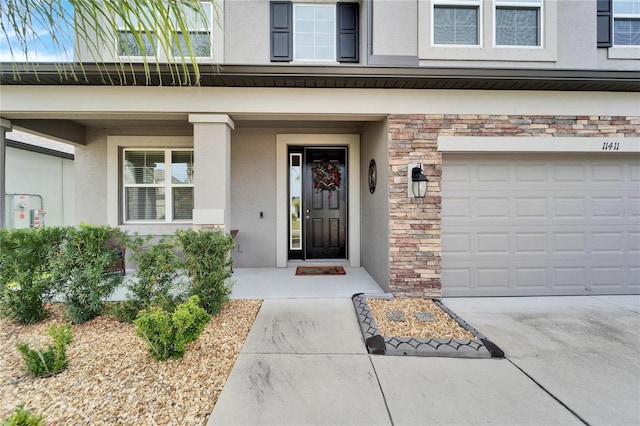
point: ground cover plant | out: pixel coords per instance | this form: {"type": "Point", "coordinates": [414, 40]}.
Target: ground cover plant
{"type": "Point", "coordinates": [52, 359]}
{"type": "Point", "coordinates": [23, 417]}
{"type": "Point", "coordinates": [168, 333]}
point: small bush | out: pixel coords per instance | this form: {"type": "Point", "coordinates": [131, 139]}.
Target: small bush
{"type": "Point", "coordinates": [53, 359]}
{"type": "Point", "coordinates": [23, 417]}
{"type": "Point", "coordinates": [167, 334]}
{"type": "Point", "coordinates": [25, 282]}
{"type": "Point", "coordinates": [79, 268]}
{"type": "Point", "coordinates": [156, 273]}
{"type": "Point", "coordinates": [207, 260]}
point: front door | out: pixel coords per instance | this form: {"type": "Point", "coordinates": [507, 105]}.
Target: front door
{"type": "Point", "coordinates": [324, 203]}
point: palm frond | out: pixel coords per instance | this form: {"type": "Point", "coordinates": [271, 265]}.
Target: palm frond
{"type": "Point", "coordinates": [112, 35]}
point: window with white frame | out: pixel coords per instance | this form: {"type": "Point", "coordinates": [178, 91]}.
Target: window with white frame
{"type": "Point", "coordinates": [314, 35]}
{"type": "Point", "coordinates": [158, 185]}
{"type": "Point", "coordinates": [626, 22]}
{"type": "Point", "coordinates": [127, 40]}
{"type": "Point", "coordinates": [200, 33]}
{"type": "Point", "coordinates": [456, 22]}
{"type": "Point", "coordinates": [517, 22]}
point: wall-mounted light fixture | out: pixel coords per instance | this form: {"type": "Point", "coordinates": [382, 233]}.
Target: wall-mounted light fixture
{"type": "Point", "coordinates": [418, 182]}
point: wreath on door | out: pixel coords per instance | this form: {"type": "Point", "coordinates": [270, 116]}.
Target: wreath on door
{"type": "Point", "coordinates": [326, 177]}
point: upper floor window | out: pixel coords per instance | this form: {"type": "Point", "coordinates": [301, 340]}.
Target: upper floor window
{"type": "Point", "coordinates": [127, 45]}
{"type": "Point", "coordinates": [517, 22]}
{"type": "Point", "coordinates": [315, 32]}
{"type": "Point", "coordinates": [314, 35]}
{"type": "Point", "coordinates": [200, 35]}
{"type": "Point", "coordinates": [157, 185]}
{"type": "Point", "coordinates": [488, 30]}
{"type": "Point", "coordinates": [456, 22]}
{"type": "Point", "coordinates": [626, 22]}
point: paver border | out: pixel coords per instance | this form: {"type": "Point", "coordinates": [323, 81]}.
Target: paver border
{"type": "Point", "coordinates": [480, 347]}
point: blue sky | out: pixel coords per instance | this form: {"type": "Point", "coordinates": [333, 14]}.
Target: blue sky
{"type": "Point", "coordinates": [42, 48]}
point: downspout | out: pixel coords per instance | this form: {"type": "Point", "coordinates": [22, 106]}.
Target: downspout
{"type": "Point", "coordinates": [6, 125]}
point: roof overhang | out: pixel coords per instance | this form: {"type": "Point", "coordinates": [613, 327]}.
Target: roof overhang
{"type": "Point", "coordinates": [309, 76]}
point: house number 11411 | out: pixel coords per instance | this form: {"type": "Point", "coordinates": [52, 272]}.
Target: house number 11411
{"type": "Point", "coordinates": [610, 146]}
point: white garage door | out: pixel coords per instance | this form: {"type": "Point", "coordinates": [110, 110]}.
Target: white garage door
{"type": "Point", "coordinates": [533, 224]}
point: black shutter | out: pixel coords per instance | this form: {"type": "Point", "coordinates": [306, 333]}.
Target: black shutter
{"type": "Point", "coordinates": [348, 30]}
{"type": "Point", "coordinates": [281, 31]}
{"type": "Point", "coordinates": [605, 23]}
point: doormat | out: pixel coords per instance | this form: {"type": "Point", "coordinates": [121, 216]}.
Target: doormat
{"type": "Point", "coordinates": [320, 270]}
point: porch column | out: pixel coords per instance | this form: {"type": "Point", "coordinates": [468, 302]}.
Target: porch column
{"type": "Point", "coordinates": [6, 126]}
{"type": "Point", "coordinates": [212, 171]}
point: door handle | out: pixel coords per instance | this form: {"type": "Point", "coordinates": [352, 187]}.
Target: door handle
{"type": "Point", "coordinates": [308, 216]}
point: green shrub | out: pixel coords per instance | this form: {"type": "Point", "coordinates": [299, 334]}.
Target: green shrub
{"type": "Point", "coordinates": [167, 334]}
{"type": "Point", "coordinates": [53, 359]}
{"type": "Point", "coordinates": [23, 417]}
{"type": "Point", "coordinates": [155, 277]}
{"type": "Point", "coordinates": [207, 260]}
{"type": "Point", "coordinates": [79, 269]}
{"type": "Point", "coordinates": [25, 282]}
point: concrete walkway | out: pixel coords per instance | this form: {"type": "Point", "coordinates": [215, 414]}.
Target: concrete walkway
{"type": "Point", "coordinates": [569, 361]}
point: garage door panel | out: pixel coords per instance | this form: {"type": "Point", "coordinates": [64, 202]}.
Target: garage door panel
{"type": "Point", "coordinates": [568, 207]}
{"type": "Point", "coordinates": [634, 243]}
{"type": "Point", "coordinates": [531, 242]}
{"type": "Point", "coordinates": [606, 206]}
{"type": "Point", "coordinates": [540, 224]}
{"type": "Point", "coordinates": [492, 208]}
{"type": "Point", "coordinates": [493, 278]}
{"type": "Point", "coordinates": [492, 243]}
{"type": "Point", "coordinates": [531, 207]}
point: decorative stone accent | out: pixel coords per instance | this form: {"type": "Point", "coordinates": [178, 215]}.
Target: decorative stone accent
{"type": "Point", "coordinates": [424, 316]}
{"type": "Point", "coordinates": [397, 316]}
{"type": "Point", "coordinates": [415, 247]}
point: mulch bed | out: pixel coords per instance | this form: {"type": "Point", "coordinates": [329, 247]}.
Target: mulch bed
{"type": "Point", "coordinates": [112, 380]}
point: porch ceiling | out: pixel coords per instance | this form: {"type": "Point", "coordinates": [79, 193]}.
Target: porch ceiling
{"type": "Point", "coordinates": [368, 77]}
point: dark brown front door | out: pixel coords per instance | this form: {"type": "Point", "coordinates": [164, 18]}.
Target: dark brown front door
{"type": "Point", "coordinates": [325, 203]}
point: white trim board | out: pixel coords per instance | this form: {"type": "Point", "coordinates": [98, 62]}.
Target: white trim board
{"type": "Point", "coordinates": [536, 144]}
{"type": "Point", "coordinates": [352, 141]}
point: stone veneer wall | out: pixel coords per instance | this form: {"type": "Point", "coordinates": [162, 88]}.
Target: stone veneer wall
{"type": "Point", "coordinates": [415, 225]}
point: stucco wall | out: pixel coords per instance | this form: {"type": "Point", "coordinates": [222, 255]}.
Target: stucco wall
{"type": "Point", "coordinates": [93, 202]}
{"type": "Point", "coordinates": [91, 179]}
{"type": "Point", "coordinates": [46, 175]}
{"type": "Point", "coordinates": [395, 24]}
{"type": "Point", "coordinates": [253, 188]}
{"type": "Point", "coordinates": [375, 206]}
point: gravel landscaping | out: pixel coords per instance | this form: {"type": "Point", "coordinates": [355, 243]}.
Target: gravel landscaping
{"type": "Point", "coordinates": [388, 313]}
{"type": "Point", "coordinates": [111, 379]}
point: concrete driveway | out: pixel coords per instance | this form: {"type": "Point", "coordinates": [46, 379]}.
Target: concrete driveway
{"type": "Point", "coordinates": [570, 360]}
{"type": "Point", "coordinates": [584, 351]}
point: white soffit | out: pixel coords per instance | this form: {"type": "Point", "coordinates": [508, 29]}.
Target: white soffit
{"type": "Point", "coordinates": [537, 144]}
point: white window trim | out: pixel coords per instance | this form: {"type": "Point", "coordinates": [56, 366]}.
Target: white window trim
{"type": "Point", "coordinates": [168, 186]}
{"type": "Point", "coordinates": [537, 4]}
{"type": "Point", "coordinates": [623, 51]}
{"type": "Point", "coordinates": [115, 144]}
{"type": "Point", "coordinates": [335, 50]}
{"type": "Point", "coordinates": [216, 38]}
{"type": "Point", "coordinates": [458, 3]}
{"type": "Point", "coordinates": [487, 52]}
